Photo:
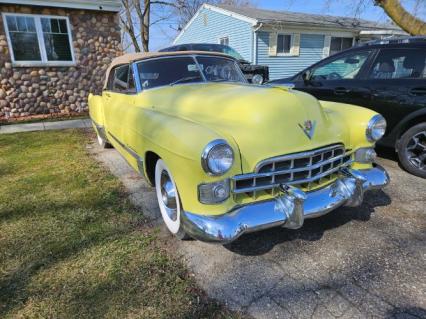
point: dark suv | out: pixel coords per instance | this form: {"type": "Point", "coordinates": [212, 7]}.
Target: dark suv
{"type": "Point", "coordinates": [387, 76]}
{"type": "Point", "coordinates": [256, 74]}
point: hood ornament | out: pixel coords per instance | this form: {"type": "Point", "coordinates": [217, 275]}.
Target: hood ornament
{"type": "Point", "coordinates": [308, 128]}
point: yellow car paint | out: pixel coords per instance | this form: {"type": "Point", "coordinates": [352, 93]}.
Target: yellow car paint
{"type": "Point", "coordinates": [177, 122]}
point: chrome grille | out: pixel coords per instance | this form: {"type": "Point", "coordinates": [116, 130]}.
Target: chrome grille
{"type": "Point", "coordinates": [294, 169]}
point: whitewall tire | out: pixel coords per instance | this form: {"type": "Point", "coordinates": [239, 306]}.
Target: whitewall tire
{"type": "Point", "coordinates": [168, 199]}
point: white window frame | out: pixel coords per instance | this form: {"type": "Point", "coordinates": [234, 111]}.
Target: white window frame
{"type": "Point", "coordinates": [291, 44]}
{"type": "Point", "coordinates": [221, 38]}
{"type": "Point", "coordinates": [40, 39]}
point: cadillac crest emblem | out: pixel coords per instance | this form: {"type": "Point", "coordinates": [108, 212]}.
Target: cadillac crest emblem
{"type": "Point", "coordinates": [308, 128]}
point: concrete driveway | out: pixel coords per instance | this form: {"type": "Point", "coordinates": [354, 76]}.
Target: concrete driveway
{"type": "Point", "coordinates": [362, 262]}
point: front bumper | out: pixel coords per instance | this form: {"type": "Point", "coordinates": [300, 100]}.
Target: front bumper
{"type": "Point", "coordinates": [288, 210]}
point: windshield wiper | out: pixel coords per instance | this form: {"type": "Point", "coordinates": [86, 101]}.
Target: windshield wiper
{"type": "Point", "coordinates": [186, 78]}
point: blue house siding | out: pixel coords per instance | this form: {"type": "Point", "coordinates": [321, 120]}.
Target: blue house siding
{"type": "Point", "coordinates": [311, 51]}
{"type": "Point", "coordinates": [209, 26]}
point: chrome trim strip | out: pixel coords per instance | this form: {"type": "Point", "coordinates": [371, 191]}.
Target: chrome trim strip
{"type": "Point", "coordinates": [100, 129]}
{"type": "Point", "coordinates": [289, 209]}
{"type": "Point", "coordinates": [128, 149]}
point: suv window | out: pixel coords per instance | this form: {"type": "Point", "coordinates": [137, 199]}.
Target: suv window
{"type": "Point", "coordinates": [344, 67]}
{"type": "Point", "coordinates": [399, 64]}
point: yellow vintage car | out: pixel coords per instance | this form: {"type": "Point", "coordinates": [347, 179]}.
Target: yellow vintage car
{"type": "Point", "coordinates": [228, 158]}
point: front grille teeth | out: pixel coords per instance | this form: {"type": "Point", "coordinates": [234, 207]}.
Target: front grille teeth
{"type": "Point", "coordinates": [305, 169]}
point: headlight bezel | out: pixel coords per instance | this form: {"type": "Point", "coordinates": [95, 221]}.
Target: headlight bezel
{"type": "Point", "coordinates": [369, 133]}
{"type": "Point", "coordinates": [207, 151]}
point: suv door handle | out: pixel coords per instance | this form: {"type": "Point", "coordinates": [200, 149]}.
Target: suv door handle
{"type": "Point", "coordinates": [418, 91]}
{"type": "Point", "coordinates": [341, 91]}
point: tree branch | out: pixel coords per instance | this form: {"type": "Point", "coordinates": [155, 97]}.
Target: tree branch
{"type": "Point", "coordinates": [402, 17]}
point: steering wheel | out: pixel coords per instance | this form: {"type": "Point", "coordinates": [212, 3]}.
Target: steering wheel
{"type": "Point", "coordinates": [334, 76]}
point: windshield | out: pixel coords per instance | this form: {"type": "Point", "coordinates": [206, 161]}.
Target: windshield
{"type": "Point", "coordinates": [218, 48]}
{"type": "Point", "coordinates": [187, 69]}
{"type": "Point", "coordinates": [230, 51]}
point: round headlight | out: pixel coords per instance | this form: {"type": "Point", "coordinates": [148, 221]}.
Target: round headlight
{"type": "Point", "coordinates": [376, 128]}
{"type": "Point", "coordinates": [257, 79]}
{"type": "Point", "coordinates": [217, 157]}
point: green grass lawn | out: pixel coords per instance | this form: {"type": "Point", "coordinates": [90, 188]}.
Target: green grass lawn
{"type": "Point", "coordinates": [71, 245]}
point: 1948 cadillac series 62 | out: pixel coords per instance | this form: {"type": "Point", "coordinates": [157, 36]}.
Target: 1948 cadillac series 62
{"type": "Point", "coordinates": [226, 157]}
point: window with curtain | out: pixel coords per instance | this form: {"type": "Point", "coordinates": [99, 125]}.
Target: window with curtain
{"type": "Point", "coordinates": [338, 44]}
{"type": "Point", "coordinates": [283, 44]}
{"type": "Point", "coordinates": [35, 39]}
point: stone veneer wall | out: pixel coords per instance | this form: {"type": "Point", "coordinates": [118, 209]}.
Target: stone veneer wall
{"type": "Point", "coordinates": [26, 91]}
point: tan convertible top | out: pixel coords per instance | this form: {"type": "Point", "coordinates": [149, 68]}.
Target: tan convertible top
{"type": "Point", "coordinates": [131, 57]}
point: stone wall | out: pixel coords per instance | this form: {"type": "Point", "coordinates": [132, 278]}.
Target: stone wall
{"type": "Point", "coordinates": [25, 91]}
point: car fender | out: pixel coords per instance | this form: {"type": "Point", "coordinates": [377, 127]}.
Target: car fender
{"type": "Point", "coordinates": [180, 143]}
{"type": "Point", "coordinates": [407, 122]}
{"type": "Point", "coordinates": [355, 119]}
{"type": "Point", "coordinates": [96, 111]}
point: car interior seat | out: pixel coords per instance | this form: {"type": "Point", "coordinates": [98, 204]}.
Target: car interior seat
{"type": "Point", "coordinates": [416, 65]}
{"type": "Point", "coordinates": [385, 70]}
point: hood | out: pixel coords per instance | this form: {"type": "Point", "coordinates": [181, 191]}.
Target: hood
{"type": "Point", "coordinates": [263, 121]}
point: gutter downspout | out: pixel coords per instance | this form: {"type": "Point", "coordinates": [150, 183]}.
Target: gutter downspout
{"type": "Point", "coordinates": [255, 29]}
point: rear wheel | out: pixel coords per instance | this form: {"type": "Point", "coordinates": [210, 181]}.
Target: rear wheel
{"type": "Point", "coordinates": [168, 200]}
{"type": "Point", "coordinates": [412, 150]}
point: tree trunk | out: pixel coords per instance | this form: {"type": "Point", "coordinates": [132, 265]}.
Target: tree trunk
{"type": "Point", "coordinates": [145, 25]}
{"type": "Point", "coordinates": [402, 17]}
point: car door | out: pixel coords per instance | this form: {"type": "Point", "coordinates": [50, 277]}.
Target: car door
{"type": "Point", "coordinates": [117, 99]}
{"type": "Point", "coordinates": [339, 79]}
{"type": "Point", "coordinates": [398, 83]}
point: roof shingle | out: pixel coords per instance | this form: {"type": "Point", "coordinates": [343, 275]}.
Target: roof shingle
{"type": "Point", "coordinates": [286, 17]}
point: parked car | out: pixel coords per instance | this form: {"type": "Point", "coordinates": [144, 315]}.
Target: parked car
{"type": "Point", "coordinates": [256, 74]}
{"type": "Point", "coordinates": [226, 157]}
{"type": "Point", "coordinates": [387, 76]}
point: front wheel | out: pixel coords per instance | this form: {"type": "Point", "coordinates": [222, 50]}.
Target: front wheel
{"type": "Point", "coordinates": [412, 150]}
{"type": "Point", "coordinates": [168, 199]}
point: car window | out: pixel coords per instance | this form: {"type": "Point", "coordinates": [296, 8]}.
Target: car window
{"type": "Point", "coordinates": [119, 82]}
{"type": "Point", "coordinates": [165, 71]}
{"type": "Point", "coordinates": [220, 69]}
{"type": "Point", "coordinates": [399, 64]}
{"type": "Point", "coordinates": [344, 67]}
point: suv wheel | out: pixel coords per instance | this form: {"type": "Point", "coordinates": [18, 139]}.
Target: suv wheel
{"type": "Point", "coordinates": [412, 150]}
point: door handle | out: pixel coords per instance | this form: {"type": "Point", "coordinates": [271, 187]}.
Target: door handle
{"type": "Point", "coordinates": [418, 91]}
{"type": "Point", "coordinates": [341, 91]}
{"type": "Point", "coordinates": [107, 94]}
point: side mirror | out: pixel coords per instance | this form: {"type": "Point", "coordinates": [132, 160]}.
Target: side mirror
{"type": "Point", "coordinates": [306, 76]}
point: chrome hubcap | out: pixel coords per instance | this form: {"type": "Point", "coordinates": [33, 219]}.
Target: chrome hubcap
{"type": "Point", "coordinates": [416, 150]}
{"type": "Point", "coordinates": [168, 196]}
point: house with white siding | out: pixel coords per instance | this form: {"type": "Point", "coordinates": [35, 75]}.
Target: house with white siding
{"type": "Point", "coordinates": [285, 41]}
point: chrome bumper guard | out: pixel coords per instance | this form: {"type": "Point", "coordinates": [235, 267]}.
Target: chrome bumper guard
{"type": "Point", "coordinates": [288, 210]}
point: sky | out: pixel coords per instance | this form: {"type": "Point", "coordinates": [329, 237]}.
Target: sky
{"type": "Point", "coordinates": [162, 35]}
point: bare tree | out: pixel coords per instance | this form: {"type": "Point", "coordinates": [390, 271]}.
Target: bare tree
{"type": "Point", "coordinates": [136, 19]}
{"type": "Point", "coordinates": [394, 9]}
